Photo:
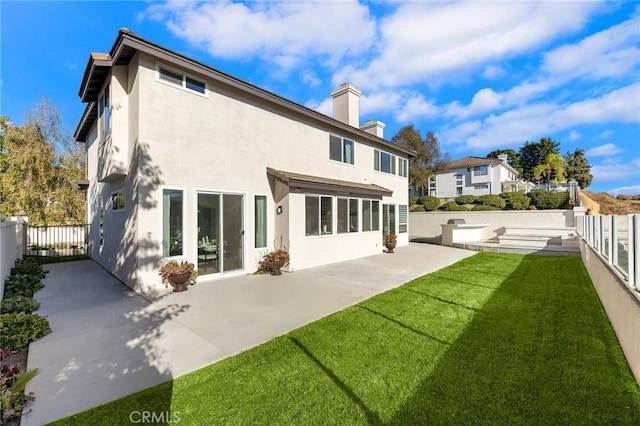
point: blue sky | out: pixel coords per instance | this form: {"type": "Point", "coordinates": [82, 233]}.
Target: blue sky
{"type": "Point", "coordinates": [480, 75]}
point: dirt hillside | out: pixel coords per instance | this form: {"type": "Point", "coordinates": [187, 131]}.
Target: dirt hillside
{"type": "Point", "coordinates": [603, 203]}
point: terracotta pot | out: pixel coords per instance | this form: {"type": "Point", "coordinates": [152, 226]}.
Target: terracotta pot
{"type": "Point", "coordinates": [390, 246]}
{"type": "Point", "coordinates": [180, 281]}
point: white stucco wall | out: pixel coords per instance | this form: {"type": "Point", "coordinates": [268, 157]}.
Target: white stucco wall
{"type": "Point", "coordinates": [222, 142]}
{"type": "Point", "coordinates": [428, 224]}
{"type": "Point", "coordinates": [8, 251]}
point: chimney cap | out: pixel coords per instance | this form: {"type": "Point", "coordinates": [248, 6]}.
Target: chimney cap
{"type": "Point", "coordinates": [345, 88]}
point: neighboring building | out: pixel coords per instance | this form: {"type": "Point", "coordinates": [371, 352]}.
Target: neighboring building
{"type": "Point", "coordinates": [476, 176]}
{"type": "Point", "coordinates": [186, 162]}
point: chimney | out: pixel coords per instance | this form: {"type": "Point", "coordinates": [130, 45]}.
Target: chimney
{"type": "Point", "coordinates": [374, 127]}
{"type": "Point", "coordinates": [503, 157]}
{"type": "Point", "coordinates": [346, 105]}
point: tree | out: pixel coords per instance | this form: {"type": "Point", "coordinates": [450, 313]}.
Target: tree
{"type": "Point", "coordinates": [428, 157]}
{"type": "Point", "coordinates": [513, 158]}
{"type": "Point", "coordinates": [40, 165]}
{"type": "Point", "coordinates": [578, 168]}
{"type": "Point", "coordinates": [553, 165]}
{"type": "Point", "coordinates": [533, 154]}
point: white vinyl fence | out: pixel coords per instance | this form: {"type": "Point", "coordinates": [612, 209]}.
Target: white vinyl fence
{"type": "Point", "coordinates": [8, 250]}
{"type": "Point", "coordinates": [616, 239]}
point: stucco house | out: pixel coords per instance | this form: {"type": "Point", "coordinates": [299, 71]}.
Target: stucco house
{"type": "Point", "coordinates": [186, 162]}
{"type": "Point", "coordinates": [476, 176]}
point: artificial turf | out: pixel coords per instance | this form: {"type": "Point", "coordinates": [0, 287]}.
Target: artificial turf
{"type": "Point", "coordinates": [492, 339]}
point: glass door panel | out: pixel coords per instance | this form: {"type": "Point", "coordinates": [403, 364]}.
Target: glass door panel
{"type": "Point", "coordinates": [388, 219]}
{"type": "Point", "coordinates": [208, 234]}
{"type": "Point", "coordinates": [233, 232]}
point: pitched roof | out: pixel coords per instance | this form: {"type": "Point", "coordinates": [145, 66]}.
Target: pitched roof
{"type": "Point", "coordinates": [471, 161]}
{"type": "Point", "coordinates": [128, 43]}
{"type": "Point", "coordinates": [317, 183]}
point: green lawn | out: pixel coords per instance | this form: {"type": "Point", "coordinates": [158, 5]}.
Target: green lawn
{"type": "Point", "coordinates": [493, 339]}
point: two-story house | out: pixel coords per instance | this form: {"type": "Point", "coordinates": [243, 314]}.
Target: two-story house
{"type": "Point", "coordinates": [186, 162]}
{"type": "Point", "coordinates": [476, 176]}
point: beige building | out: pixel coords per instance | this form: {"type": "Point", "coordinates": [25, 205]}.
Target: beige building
{"type": "Point", "coordinates": [185, 162]}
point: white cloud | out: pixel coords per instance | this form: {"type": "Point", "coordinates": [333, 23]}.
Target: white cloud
{"type": "Point", "coordinates": [539, 119]}
{"type": "Point", "coordinates": [423, 41]}
{"type": "Point", "coordinates": [325, 106]}
{"type": "Point", "coordinates": [627, 190]}
{"type": "Point", "coordinates": [606, 134]}
{"type": "Point", "coordinates": [284, 33]}
{"type": "Point", "coordinates": [492, 72]}
{"type": "Point", "coordinates": [616, 172]}
{"type": "Point", "coordinates": [311, 78]}
{"type": "Point", "coordinates": [606, 150]}
{"type": "Point", "coordinates": [574, 136]}
{"type": "Point", "coordinates": [609, 53]}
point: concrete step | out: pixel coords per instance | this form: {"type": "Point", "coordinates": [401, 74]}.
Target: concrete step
{"type": "Point", "coordinates": [527, 240]}
{"type": "Point", "coordinates": [550, 231]}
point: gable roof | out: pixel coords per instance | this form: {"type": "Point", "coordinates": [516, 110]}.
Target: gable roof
{"type": "Point", "coordinates": [127, 44]}
{"type": "Point", "coordinates": [316, 183]}
{"type": "Point", "coordinates": [471, 161]}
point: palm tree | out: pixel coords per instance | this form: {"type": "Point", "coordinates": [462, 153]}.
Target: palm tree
{"type": "Point", "coordinates": [554, 162]}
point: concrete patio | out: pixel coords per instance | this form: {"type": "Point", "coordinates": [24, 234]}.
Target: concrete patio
{"type": "Point", "coordinates": [108, 341]}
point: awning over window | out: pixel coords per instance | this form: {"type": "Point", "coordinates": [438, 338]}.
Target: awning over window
{"type": "Point", "coordinates": [296, 181]}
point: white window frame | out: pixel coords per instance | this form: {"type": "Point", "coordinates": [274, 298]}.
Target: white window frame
{"type": "Point", "coordinates": [358, 204]}
{"type": "Point", "coordinates": [255, 231]}
{"type": "Point", "coordinates": [374, 226]}
{"type": "Point", "coordinates": [481, 170]}
{"type": "Point", "coordinates": [184, 75]}
{"type": "Point", "coordinates": [402, 223]}
{"type": "Point", "coordinates": [104, 111]}
{"type": "Point", "coordinates": [377, 163]}
{"type": "Point", "coordinates": [403, 167]}
{"type": "Point", "coordinates": [342, 150]}
{"type": "Point", "coordinates": [332, 215]}
{"type": "Point", "coordinates": [184, 216]}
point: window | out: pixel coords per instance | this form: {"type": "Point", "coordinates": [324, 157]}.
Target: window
{"type": "Point", "coordinates": [341, 149]}
{"type": "Point", "coordinates": [403, 167]}
{"type": "Point", "coordinates": [432, 186]}
{"type": "Point", "coordinates": [260, 222]}
{"type": "Point", "coordinates": [101, 230]}
{"type": "Point", "coordinates": [384, 162]}
{"type": "Point", "coordinates": [481, 186]}
{"type": "Point", "coordinates": [375, 215]}
{"type": "Point", "coordinates": [318, 215]}
{"type": "Point", "coordinates": [370, 215]}
{"type": "Point", "coordinates": [481, 170]}
{"type": "Point", "coordinates": [459, 184]}
{"type": "Point", "coordinates": [181, 80]}
{"type": "Point", "coordinates": [402, 219]}
{"type": "Point", "coordinates": [117, 201]}
{"type": "Point", "coordinates": [172, 220]}
{"type": "Point", "coordinates": [348, 215]}
{"type": "Point", "coordinates": [104, 112]}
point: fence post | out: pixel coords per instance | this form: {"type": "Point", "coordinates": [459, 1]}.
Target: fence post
{"type": "Point", "coordinates": [633, 237]}
{"type": "Point", "coordinates": [614, 238]}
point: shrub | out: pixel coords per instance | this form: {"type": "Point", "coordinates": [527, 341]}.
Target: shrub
{"type": "Point", "coordinates": [19, 304]}
{"type": "Point", "coordinates": [483, 208]}
{"type": "Point", "coordinates": [413, 201]}
{"type": "Point", "coordinates": [28, 266]}
{"type": "Point", "coordinates": [492, 200]}
{"type": "Point", "coordinates": [430, 203]}
{"type": "Point", "coordinates": [13, 384]}
{"type": "Point", "coordinates": [545, 200]}
{"type": "Point", "coordinates": [18, 329]}
{"type": "Point", "coordinates": [516, 200]}
{"type": "Point", "coordinates": [418, 209]}
{"type": "Point", "coordinates": [272, 261]}
{"type": "Point", "coordinates": [452, 206]}
{"type": "Point", "coordinates": [22, 285]}
{"type": "Point", "coordinates": [466, 199]}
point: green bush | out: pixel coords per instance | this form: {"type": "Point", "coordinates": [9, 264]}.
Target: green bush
{"type": "Point", "coordinates": [466, 199]}
{"type": "Point", "coordinates": [413, 200]}
{"type": "Point", "coordinates": [22, 285]}
{"type": "Point", "coordinates": [19, 304]}
{"type": "Point", "coordinates": [492, 200]}
{"type": "Point", "coordinates": [18, 329]}
{"type": "Point", "coordinates": [28, 266]}
{"type": "Point", "coordinates": [452, 206]}
{"type": "Point", "coordinates": [516, 200]}
{"type": "Point", "coordinates": [430, 203]}
{"type": "Point", "coordinates": [545, 200]}
{"type": "Point", "coordinates": [483, 208]}
{"type": "Point", "coordinates": [418, 209]}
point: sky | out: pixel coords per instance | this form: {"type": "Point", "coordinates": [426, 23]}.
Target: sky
{"type": "Point", "coordinates": [480, 75]}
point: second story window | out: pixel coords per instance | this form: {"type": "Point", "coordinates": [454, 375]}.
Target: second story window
{"type": "Point", "coordinates": [481, 170]}
{"type": "Point", "coordinates": [341, 149]}
{"type": "Point", "coordinates": [403, 167]}
{"type": "Point", "coordinates": [384, 162]}
{"type": "Point", "coordinates": [181, 80]}
{"type": "Point", "coordinates": [104, 112]}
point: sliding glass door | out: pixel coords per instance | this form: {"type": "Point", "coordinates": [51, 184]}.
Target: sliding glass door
{"type": "Point", "coordinates": [220, 233]}
{"type": "Point", "coordinates": [388, 219]}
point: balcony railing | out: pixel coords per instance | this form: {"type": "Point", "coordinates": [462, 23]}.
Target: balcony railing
{"type": "Point", "coordinates": [616, 239]}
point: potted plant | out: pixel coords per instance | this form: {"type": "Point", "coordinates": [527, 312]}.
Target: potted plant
{"type": "Point", "coordinates": [179, 275]}
{"type": "Point", "coordinates": [390, 241]}
{"type": "Point", "coordinates": [273, 261]}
